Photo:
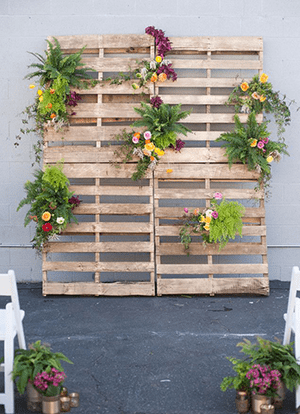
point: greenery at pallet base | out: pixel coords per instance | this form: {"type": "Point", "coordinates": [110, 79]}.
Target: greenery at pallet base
{"type": "Point", "coordinates": [216, 224]}
{"type": "Point", "coordinates": [56, 74]}
{"type": "Point", "coordinates": [264, 352]}
{"type": "Point", "coordinates": [258, 96]}
{"type": "Point", "coordinates": [250, 144]}
{"type": "Point", "coordinates": [36, 359]}
{"type": "Point", "coordinates": [51, 203]}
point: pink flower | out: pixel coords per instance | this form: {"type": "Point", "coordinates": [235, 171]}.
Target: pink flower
{"type": "Point", "coordinates": [135, 140]}
{"type": "Point", "coordinates": [218, 196]}
{"type": "Point", "coordinates": [260, 144]}
{"type": "Point", "coordinates": [186, 210]}
{"type": "Point", "coordinates": [265, 140]}
{"type": "Point", "coordinates": [147, 135]}
{"type": "Point", "coordinates": [215, 214]}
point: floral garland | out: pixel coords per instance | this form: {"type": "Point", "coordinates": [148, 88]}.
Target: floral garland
{"type": "Point", "coordinates": [52, 204]}
{"type": "Point", "coordinates": [216, 224]}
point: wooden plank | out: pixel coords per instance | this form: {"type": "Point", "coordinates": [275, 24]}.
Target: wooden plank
{"type": "Point", "coordinates": [111, 190]}
{"type": "Point", "coordinates": [202, 193]}
{"type": "Point", "coordinates": [231, 249]}
{"type": "Point", "coordinates": [196, 99]}
{"type": "Point", "coordinates": [173, 230]}
{"type": "Point", "coordinates": [112, 209]}
{"type": "Point", "coordinates": [114, 228]}
{"type": "Point", "coordinates": [104, 247]}
{"type": "Point", "coordinates": [101, 171]}
{"type": "Point", "coordinates": [98, 267]}
{"type": "Point", "coordinates": [99, 289]}
{"type": "Point", "coordinates": [216, 64]}
{"type": "Point", "coordinates": [214, 286]}
{"type": "Point", "coordinates": [203, 269]}
{"type": "Point", "coordinates": [214, 43]}
{"type": "Point", "coordinates": [177, 212]}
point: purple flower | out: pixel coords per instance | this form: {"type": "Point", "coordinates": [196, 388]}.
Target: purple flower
{"type": "Point", "coordinates": [168, 70]}
{"type": "Point", "coordinates": [72, 98]}
{"type": "Point", "coordinates": [178, 146]}
{"type": "Point", "coordinates": [156, 101]}
{"type": "Point", "coordinates": [75, 201]}
{"type": "Point", "coordinates": [260, 144]}
{"type": "Point", "coordinates": [215, 214]}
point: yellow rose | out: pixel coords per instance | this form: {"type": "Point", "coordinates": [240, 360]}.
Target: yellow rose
{"type": "Point", "coordinates": [150, 147]}
{"type": "Point", "coordinates": [270, 158]}
{"type": "Point", "coordinates": [41, 98]}
{"type": "Point", "coordinates": [253, 143]}
{"type": "Point", "coordinates": [31, 86]}
{"type": "Point", "coordinates": [202, 219]}
{"type": "Point", "coordinates": [263, 78]}
{"type": "Point", "coordinates": [40, 92]}
{"type": "Point", "coordinates": [46, 216]}
{"type": "Point", "coordinates": [208, 219]}
{"type": "Point", "coordinates": [159, 152]}
{"type": "Point", "coordinates": [158, 59]}
{"type": "Point", "coordinates": [244, 86]}
{"type": "Point", "coordinates": [206, 226]}
{"type": "Point", "coordinates": [262, 98]}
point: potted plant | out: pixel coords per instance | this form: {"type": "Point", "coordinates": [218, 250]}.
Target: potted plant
{"type": "Point", "coordinates": [49, 384]}
{"type": "Point", "coordinates": [28, 363]}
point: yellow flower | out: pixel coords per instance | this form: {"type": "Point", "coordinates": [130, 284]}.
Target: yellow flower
{"type": "Point", "coordinates": [158, 59]}
{"type": "Point", "coordinates": [159, 152]}
{"type": "Point", "coordinates": [253, 143]}
{"type": "Point", "coordinates": [31, 86]}
{"type": "Point", "coordinates": [154, 77]}
{"type": "Point", "coordinates": [206, 226]}
{"type": "Point", "coordinates": [41, 98]}
{"type": "Point", "coordinates": [169, 170]}
{"type": "Point", "coordinates": [262, 98]}
{"type": "Point", "coordinates": [270, 158]}
{"type": "Point", "coordinates": [244, 86]}
{"type": "Point", "coordinates": [263, 78]}
{"type": "Point", "coordinates": [135, 86]}
{"type": "Point", "coordinates": [202, 219]}
{"type": "Point", "coordinates": [255, 95]}
{"type": "Point", "coordinates": [150, 147]}
{"type": "Point", "coordinates": [40, 92]}
{"type": "Point", "coordinates": [46, 216]}
{"type": "Point", "coordinates": [208, 219]}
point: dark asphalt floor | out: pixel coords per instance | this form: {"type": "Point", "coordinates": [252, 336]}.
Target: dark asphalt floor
{"type": "Point", "coordinates": [150, 355]}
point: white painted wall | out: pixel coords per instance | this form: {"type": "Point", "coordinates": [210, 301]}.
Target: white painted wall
{"type": "Point", "coordinates": [24, 26]}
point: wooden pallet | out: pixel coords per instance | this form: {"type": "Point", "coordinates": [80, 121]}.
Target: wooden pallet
{"type": "Point", "coordinates": [112, 247]}
{"type": "Point", "coordinates": [111, 250]}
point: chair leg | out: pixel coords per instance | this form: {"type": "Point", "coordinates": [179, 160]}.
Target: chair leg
{"type": "Point", "coordinates": [8, 383]}
{"type": "Point", "coordinates": [297, 344]}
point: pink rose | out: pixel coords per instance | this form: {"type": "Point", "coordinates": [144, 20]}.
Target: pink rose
{"type": "Point", "coordinates": [147, 135]}
{"type": "Point", "coordinates": [135, 140]}
{"type": "Point", "coordinates": [186, 210]}
{"type": "Point", "coordinates": [260, 144]}
{"type": "Point", "coordinates": [265, 140]}
{"type": "Point", "coordinates": [218, 196]}
{"type": "Point", "coordinates": [215, 214]}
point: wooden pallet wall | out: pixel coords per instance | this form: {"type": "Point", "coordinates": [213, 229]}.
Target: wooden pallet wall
{"type": "Point", "coordinates": [122, 223]}
{"type": "Point", "coordinates": [208, 69]}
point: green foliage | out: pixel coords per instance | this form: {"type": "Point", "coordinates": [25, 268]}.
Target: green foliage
{"type": "Point", "coordinates": [239, 382]}
{"type": "Point", "coordinates": [162, 122]}
{"type": "Point", "coordinates": [277, 356]}
{"type": "Point", "coordinates": [55, 65]}
{"type": "Point", "coordinates": [38, 358]}
{"type": "Point", "coordinates": [54, 102]}
{"type": "Point", "coordinates": [242, 145]}
{"type": "Point", "coordinates": [49, 192]}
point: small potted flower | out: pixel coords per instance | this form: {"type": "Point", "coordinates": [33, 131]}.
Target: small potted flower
{"type": "Point", "coordinates": [49, 384]}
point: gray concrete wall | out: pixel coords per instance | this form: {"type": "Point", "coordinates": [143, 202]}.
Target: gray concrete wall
{"type": "Point", "coordinates": [24, 26]}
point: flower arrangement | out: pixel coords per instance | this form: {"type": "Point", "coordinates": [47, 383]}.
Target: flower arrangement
{"type": "Point", "coordinates": [157, 70]}
{"type": "Point", "coordinates": [216, 224]}
{"type": "Point", "coordinates": [49, 383]}
{"type": "Point", "coordinates": [54, 99]}
{"type": "Point", "coordinates": [263, 380]}
{"type": "Point", "coordinates": [52, 204]}
{"type": "Point", "coordinates": [161, 121]}
{"type": "Point", "coordinates": [250, 144]}
{"type": "Point", "coordinates": [36, 359]}
{"type": "Point", "coordinates": [258, 96]}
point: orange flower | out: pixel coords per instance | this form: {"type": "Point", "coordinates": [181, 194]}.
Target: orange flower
{"type": "Point", "coordinates": [255, 95]}
{"type": "Point", "coordinates": [152, 158]}
{"type": "Point", "coordinates": [52, 115]}
{"type": "Point", "coordinates": [154, 77]}
{"type": "Point", "coordinates": [262, 98]}
{"type": "Point", "coordinates": [196, 211]}
{"type": "Point", "coordinates": [49, 105]}
{"type": "Point", "coordinates": [253, 143]}
{"type": "Point", "coordinates": [244, 86]}
{"type": "Point", "coordinates": [146, 152]}
{"type": "Point", "coordinates": [137, 134]}
{"type": "Point", "coordinates": [169, 170]}
{"type": "Point", "coordinates": [52, 91]}
{"type": "Point", "coordinates": [46, 216]}
{"type": "Point", "coordinates": [263, 78]}
{"type": "Point", "coordinates": [147, 141]}
{"type": "Point", "coordinates": [162, 77]}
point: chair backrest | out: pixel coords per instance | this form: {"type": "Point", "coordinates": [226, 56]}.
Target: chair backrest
{"type": "Point", "coordinates": [8, 287]}
{"type": "Point", "coordinates": [294, 288]}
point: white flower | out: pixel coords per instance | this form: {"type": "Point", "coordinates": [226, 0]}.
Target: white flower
{"type": "Point", "coordinates": [208, 213]}
{"type": "Point", "coordinates": [152, 64]}
{"type": "Point", "coordinates": [143, 72]}
{"type": "Point", "coordinates": [60, 220]}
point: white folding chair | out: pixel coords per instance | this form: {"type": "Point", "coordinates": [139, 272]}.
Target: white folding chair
{"type": "Point", "coordinates": [292, 320]}
{"type": "Point", "coordinates": [10, 325]}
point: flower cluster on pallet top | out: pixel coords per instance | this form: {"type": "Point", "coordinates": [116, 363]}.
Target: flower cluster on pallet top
{"type": "Point", "coordinates": [161, 122]}
{"type": "Point", "coordinates": [263, 380]}
{"type": "Point", "coordinates": [250, 144]}
{"type": "Point", "coordinates": [54, 100]}
{"type": "Point", "coordinates": [216, 224]}
{"type": "Point", "coordinates": [258, 96]}
{"type": "Point", "coordinates": [52, 204]}
{"type": "Point", "coordinates": [49, 383]}
{"type": "Point", "coordinates": [157, 70]}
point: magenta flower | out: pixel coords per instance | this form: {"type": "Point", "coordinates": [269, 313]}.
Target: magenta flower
{"type": "Point", "coordinates": [218, 196]}
{"type": "Point", "coordinates": [178, 146]}
{"type": "Point", "coordinates": [265, 140]}
{"type": "Point", "coordinates": [260, 144]}
{"type": "Point", "coordinates": [186, 210]}
{"type": "Point", "coordinates": [156, 101]}
{"type": "Point", "coordinates": [147, 135]}
{"type": "Point", "coordinates": [135, 140]}
{"type": "Point", "coordinates": [215, 214]}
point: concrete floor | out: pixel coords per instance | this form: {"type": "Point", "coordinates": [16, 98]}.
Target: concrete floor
{"type": "Point", "coordinates": [151, 355]}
